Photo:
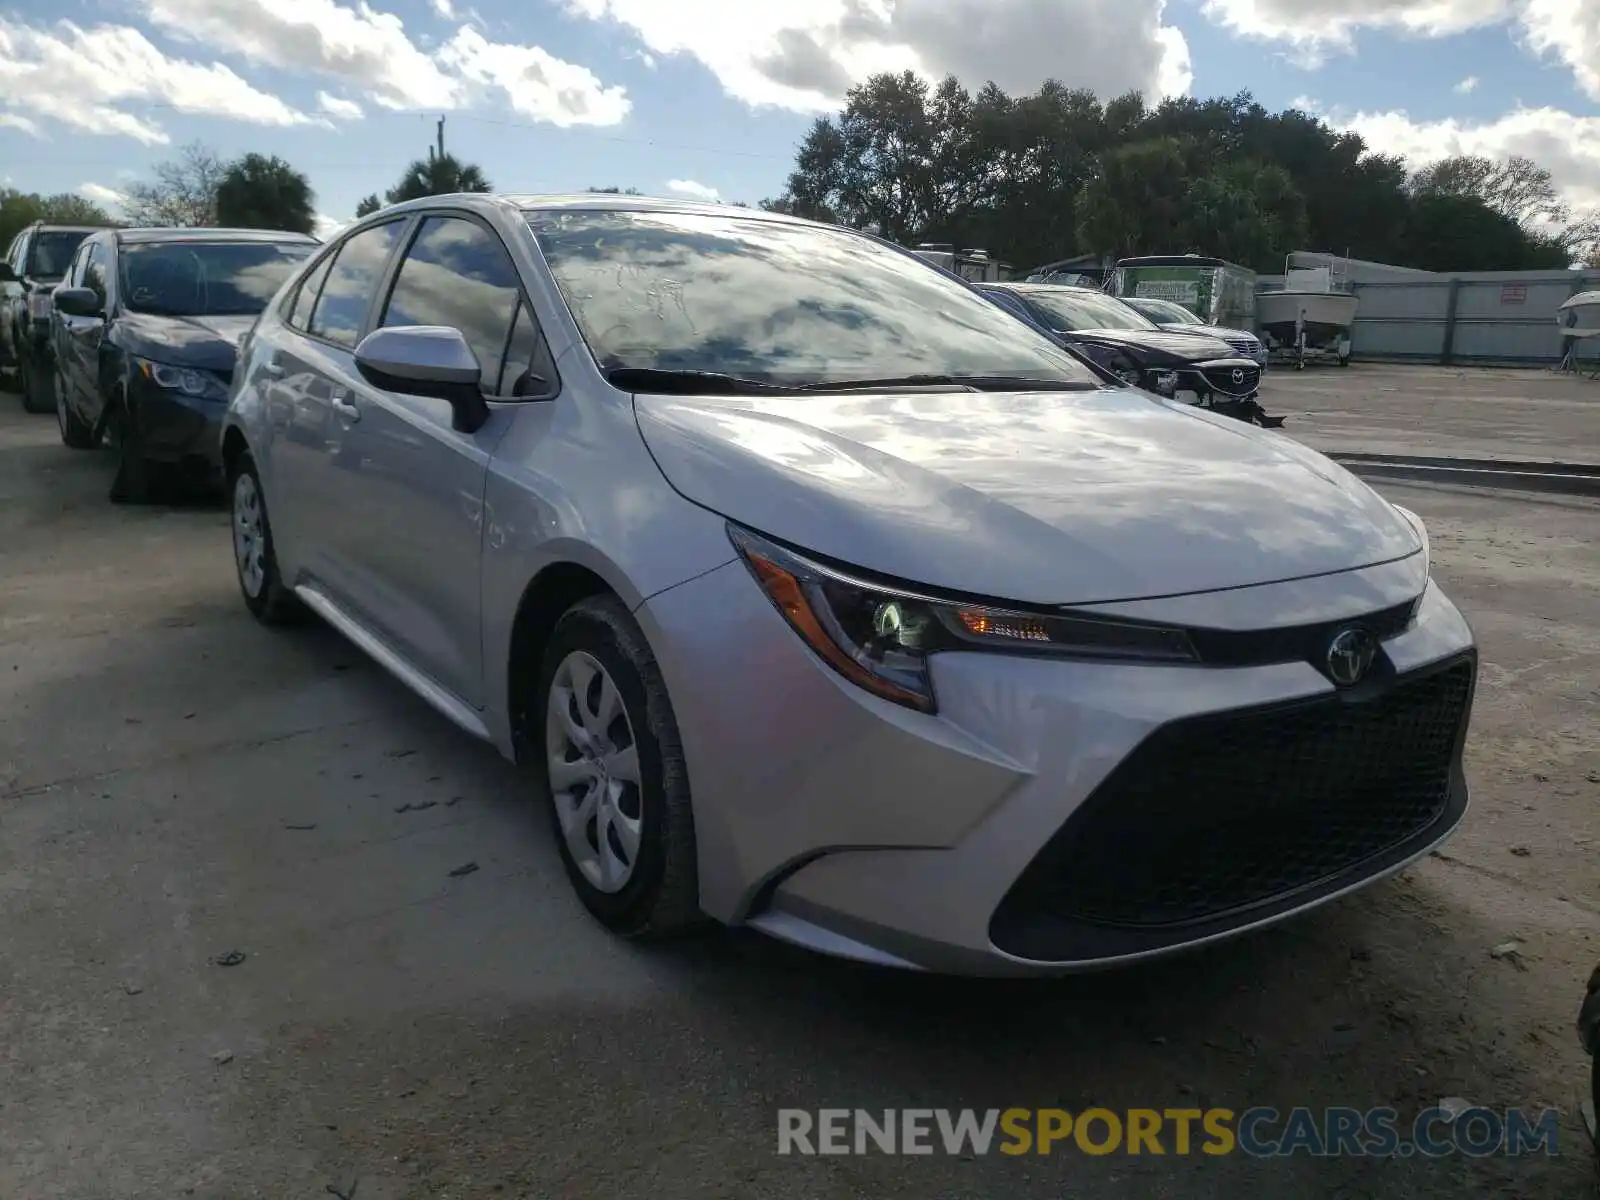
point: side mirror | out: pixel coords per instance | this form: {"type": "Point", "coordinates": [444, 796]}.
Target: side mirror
{"type": "Point", "coordinates": [427, 360]}
{"type": "Point", "coordinates": [78, 302]}
{"type": "Point", "coordinates": [7, 275]}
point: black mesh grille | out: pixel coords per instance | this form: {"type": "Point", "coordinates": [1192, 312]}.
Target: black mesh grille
{"type": "Point", "coordinates": [1220, 813]}
{"type": "Point", "coordinates": [1222, 379]}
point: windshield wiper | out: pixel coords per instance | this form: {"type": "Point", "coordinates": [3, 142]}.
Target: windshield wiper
{"type": "Point", "coordinates": [978, 382]}
{"type": "Point", "coordinates": [689, 383]}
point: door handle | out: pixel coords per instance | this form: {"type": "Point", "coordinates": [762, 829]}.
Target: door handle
{"type": "Point", "coordinates": [345, 409]}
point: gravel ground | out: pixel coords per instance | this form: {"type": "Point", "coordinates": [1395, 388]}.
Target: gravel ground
{"type": "Point", "coordinates": [177, 783]}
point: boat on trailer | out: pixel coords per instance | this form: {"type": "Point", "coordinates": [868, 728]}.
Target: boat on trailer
{"type": "Point", "coordinates": [1311, 318]}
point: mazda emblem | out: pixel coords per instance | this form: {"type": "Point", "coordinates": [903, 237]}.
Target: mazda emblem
{"type": "Point", "coordinates": [1350, 655]}
{"type": "Point", "coordinates": [1238, 375]}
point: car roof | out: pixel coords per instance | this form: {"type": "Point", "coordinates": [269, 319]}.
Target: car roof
{"type": "Point", "coordinates": [205, 234]}
{"type": "Point", "coordinates": [41, 227]}
{"type": "Point", "coordinates": [1046, 287]}
{"type": "Point", "coordinates": [522, 202]}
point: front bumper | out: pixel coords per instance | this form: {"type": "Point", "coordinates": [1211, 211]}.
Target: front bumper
{"type": "Point", "coordinates": [177, 428]}
{"type": "Point", "coordinates": [1003, 835]}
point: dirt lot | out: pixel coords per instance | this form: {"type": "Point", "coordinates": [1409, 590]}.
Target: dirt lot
{"type": "Point", "coordinates": [177, 783]}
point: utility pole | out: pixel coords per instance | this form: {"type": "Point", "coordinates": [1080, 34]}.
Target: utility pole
{"type": "Point", "coordinates": [440, 136]}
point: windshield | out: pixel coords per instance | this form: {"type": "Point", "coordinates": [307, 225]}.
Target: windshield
{"type": "Point", "coordinates": [52, 251]}
{"type": "Point", "coordinates": [1169, 311]}
{"type": "Point", "coordinates": [207, 279]}
{"type": "Point", "coordinates": [1060, 308]}
{"type": "Point", "coordinates": [780, 303]}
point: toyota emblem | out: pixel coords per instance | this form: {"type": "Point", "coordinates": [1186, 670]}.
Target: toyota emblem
{"type": "Point", "coordinates": [1238, 375]}
{"type": "Point", "coordinates": [1350, 655]}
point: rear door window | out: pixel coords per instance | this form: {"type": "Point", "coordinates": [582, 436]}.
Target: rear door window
{"type": "Point", "coordinates": [340, 310]}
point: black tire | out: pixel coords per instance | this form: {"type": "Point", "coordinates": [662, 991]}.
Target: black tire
{"type": "Point", "coordinates": [269, 600]}
{"type": "Point", "coordinates": [132, 482]}
{"type": "Point", "coordinates": [37, 384]}
{"type": "Point", "coordinates": [661, 897]}
{"type": "Point", "coordinates": [76, 433]}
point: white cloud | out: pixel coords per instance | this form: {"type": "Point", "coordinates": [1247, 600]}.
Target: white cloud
{"type": "Point", "coordinates": [805, 54]}
{"type": "Point", "coordinates": [80, 76]}
{"type": "Point", "coordinates": [17, 121]}
{"type": "Point", "coordinates": [1566, 145]}
{"type": "Point", "coordinates": [370, 50]}
{"type": "Point", "coordinates": [538, 84]}
{"type": "Point", "coordinates": [324, 226]}
{"type": "Point", "coordinates": [445, 9]}
{"type": "Point", "coordinates": [688, 187]}
{"type": "Point", "coordinates": [1469, 84]}
{"type": "Point", "coordinates": [335, 106]}
{"type": "Point", "coordinates": [105, 197]}
{"type": "Point", "coordinates": [1570, 30]}
{"type": "Point", "coordinates": [1567, 30]}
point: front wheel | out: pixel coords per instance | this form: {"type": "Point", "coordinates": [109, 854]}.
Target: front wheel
{"type": "Point", "coordinates": [131, 484]}
{"type": "Point", "coordinates": [38, 386]}
{"type": "Point", "coordinates": [615, 773]}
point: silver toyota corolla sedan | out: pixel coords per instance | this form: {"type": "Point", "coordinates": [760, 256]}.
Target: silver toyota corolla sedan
{"type": "Point", "coordinates": [824, 597]}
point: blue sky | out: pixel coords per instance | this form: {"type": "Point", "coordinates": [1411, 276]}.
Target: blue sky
{"type": "Point", "coordinates": [711, 96]}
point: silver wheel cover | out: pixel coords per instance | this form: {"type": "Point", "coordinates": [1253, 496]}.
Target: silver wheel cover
{"type": "Point", "coordinates": [249, 542]}
{"type": "Point", "coordinates": [594, 771]}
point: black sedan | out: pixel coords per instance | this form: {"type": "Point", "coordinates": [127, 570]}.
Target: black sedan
{"type": "Point", "coordinates": [146, 331]}
{"type": "Point", "coordinates": [1194, 368]}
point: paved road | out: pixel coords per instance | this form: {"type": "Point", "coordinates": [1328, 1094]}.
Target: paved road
{"type": "Point", "coordinates": [177, 783]}
{"type": "Point", "coordinates": [1464, 412]}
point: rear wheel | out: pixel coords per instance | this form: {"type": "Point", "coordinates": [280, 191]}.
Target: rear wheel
{"type": "Point", "coordinates": [254, 556]}
{"type": "Point", "coordinates": [616, 777]}
{"type": "Point", "coordinates": [76, 433]}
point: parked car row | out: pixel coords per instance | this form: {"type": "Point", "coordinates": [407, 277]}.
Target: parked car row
{"type": "Point", "coordinates": [818, 590]}
{"type": "Point", "coordinates": [35, 262]}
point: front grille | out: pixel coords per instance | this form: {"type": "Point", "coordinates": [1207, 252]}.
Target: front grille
{"type": "Point", "coordinates": [1232, 812]}
{"type": "Point", "coordinates": [1222, 379]}
{"type": "Point", "coordinates": [1245, 345]}
{"type": "Point", "coordinates": [1295, 643]}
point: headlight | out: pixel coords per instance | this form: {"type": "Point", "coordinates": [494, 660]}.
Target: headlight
{"type": "Point", "coordinates": [1422, 532]}
{"type": "Point", "coordinates": [1165, 382]}
{"type": "Point", "coordinates": [880, 637]}
{"type": "Point", "coordinates": [1118, 363]}
{"type": "Point", "coordinates": [187, 380]}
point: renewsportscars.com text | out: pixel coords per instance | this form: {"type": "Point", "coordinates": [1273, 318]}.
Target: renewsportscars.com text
{"type": "Point", "coordinates": [1259, 1132]}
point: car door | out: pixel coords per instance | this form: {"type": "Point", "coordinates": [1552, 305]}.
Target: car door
{"type": "Point", "coordinates": [79, 338]}
{"type": "Point", "coordinates": [410, 533]}
{"type": "Point", "coordinates": [302, 372]}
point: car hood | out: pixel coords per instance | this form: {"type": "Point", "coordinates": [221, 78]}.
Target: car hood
{"type": "Point", "coordinates": [1158, 345]}
{"type": "Point", "coordinates": [1214, 332]}
{"type": "Point", "coordinates": [1035, 497]}
{"type": "Point", "coordinates": [210, 343]}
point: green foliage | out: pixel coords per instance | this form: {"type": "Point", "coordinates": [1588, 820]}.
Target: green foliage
{"type": "Point", "coordinates": [257, 192]}
{"type": "Point", "coordinates": [18, 210]}
{"type": "Point", "coordinates": [1059, 173]}
{"type": "Point", "coordinates": [368, 205]}
{"type": "Point", "coordinates": [615, 191]}
{"type": "Point", "coordinates": [437, 175]}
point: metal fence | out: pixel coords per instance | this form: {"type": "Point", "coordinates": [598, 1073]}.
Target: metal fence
{"type": "Point", "coordinates": [1490, 317]}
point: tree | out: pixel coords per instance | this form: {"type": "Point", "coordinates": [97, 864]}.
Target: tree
{"type": "Point", "coordinates": [1520, 190]}
{"type": "Point", "coordinates": [258, 192]}
{"type": "Point", "coordinates": [368, 205]}
{"type": "Point", "coordinates": [615, 191]}
{"type": "Point", "coordinates": [18, 210]}
{"type": "Point", "coordinates": [1137, 199]}
{"type": "Point", "coordinates": [1465, 233]}
{"type": "Point", "coordinates": [184, 192]}
{"type": "Point", "coordinates": [437, 175]}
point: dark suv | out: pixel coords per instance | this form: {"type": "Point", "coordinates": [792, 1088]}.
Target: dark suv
{"type": "Point", "coordinates": [34, 263]}
{"type": "Point", "coordinates": [146, 329]}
